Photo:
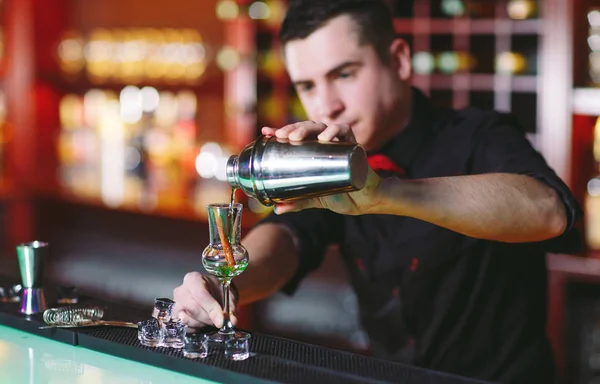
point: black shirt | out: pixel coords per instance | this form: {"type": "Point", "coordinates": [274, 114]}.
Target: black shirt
{"type": "Point", "coordinates": [443, 300]}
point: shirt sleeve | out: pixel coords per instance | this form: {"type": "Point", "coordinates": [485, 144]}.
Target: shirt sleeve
{"type": "Point", "coordinates": [500, 146]}
{"type": "Point", "coordinates": [315, 230]}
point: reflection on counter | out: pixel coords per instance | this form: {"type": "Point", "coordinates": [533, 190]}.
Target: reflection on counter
{"type": "Point", "coordinates": [139, 149]}
{"type": "Point", "coordinates": [26, 358]}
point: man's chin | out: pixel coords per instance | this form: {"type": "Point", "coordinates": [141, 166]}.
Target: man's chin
{"type": "Point", "coordinates": [370, 144]}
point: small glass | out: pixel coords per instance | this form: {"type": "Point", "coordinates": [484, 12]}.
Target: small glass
{"type": "Point", "coordinates": [11, 294]}
{"type": "Point", "coordinates": [195, 346]}
{"type": "Point", "coordinates": [225, 258]}
{"type": "Point", "coordinates": [237, 349]}
{"type": "Point", "coordinates": [162, 309]}
{"type": "Point", "coordinates": [150, 333]}
{"type": "Point", "coordinates": [173, 333]}
{"type": "Point", "coordinates": [67, 295]}
{"type": "Point", "coordinates": [140, 325]}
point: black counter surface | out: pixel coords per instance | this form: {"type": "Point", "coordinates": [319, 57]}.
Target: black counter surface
{"type": "Point", "coordinates": [274, 359]}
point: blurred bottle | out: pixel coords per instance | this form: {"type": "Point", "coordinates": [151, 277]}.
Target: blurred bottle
{"type": "Point", "coordinates": [423, 63]}
{"type": "Point", "coordinates": [276, 13]}
{"type": "Point", "coordinates": [296, 110]}
{"type": "Point", "coordinates": [480, 9]}
{"type": "Point", "coordinates": [272, 110]}
{"type": "Point", "coordinates": [512, 63]}
{"type": "Point", "coordinates": [452, 61]}
{"type": "Point", "coordinates": [521, 9]}
{"type": "Point", "coordinates": [452, 8]}
{"type": "Point", "coordinates": [593, 40]}
{"type": "Point", "coordinates": [592, 198]}
{"type": "Point", "coordinates": [270, 63]}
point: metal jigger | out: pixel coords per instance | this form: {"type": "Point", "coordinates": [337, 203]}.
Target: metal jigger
{"type": "Point", "coordinates": [32, 257]}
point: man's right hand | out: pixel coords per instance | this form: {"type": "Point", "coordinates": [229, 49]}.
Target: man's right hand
{"type": "Point", "coordinates": [197, 301]}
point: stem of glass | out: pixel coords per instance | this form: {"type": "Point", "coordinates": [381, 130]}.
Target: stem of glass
{"type": "Point", "coordinates": [227, 327]}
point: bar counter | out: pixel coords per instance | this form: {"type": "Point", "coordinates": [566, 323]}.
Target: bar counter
{"type": "Point", "coordinates": [110, 354]}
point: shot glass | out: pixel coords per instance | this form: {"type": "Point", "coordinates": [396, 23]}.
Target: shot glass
{"type": "Point", "coordinates": [237, 349]}
{"type": "Point", "coordinates": [140, 325]}
{"type": "Point", "coordinates": [149, 333]}
{"type": "Point", "coordinates": [11, 294]}
{"type": "Point", "coordinates": [173, 333]}
{"type": "Point", "coordinates": [162, 309]}
{"type": "Point", "coordinates": [195, 346]}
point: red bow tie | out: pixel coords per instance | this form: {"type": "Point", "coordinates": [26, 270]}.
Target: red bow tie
{"type": "Point", "coordinates": [383, 163]}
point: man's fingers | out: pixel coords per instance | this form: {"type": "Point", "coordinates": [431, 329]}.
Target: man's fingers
{"type": "Point", "coordinates": [186, 307]}
{"type": "Point", "coordinates": [268, 131]}
{"type": "Point", "coordinates": [297, 131]}
{"type": "Point", "coordinates": [281, 208]}
{"type": "Point", "coordinates": [295, 206]}
{"type": "Point", "coordinates": [340, 131]}
{"type": "Point", "coordinates": [208, 303]}
{"type": "Point", "coordinates": [191, 322]}
{"type": "Point", "coordinates": [199, 298]}
{"type": "Point", "coordinates": [310, 129]}
{"type": "Point", "coordinates": [305, 130]}
{"type": "Point", "coordinates": [283, 132]}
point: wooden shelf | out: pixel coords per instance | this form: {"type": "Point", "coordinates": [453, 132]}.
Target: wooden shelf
{"type": "Point", "coordinates": [462, 26]}
{"type": "Point", "coordinates": [478, 82]}
{"type": "Point", "coordinates": [81, 84]}
{"type": "Point", "coordinates": [586, 101]}
{"type": "Point", "coordinates": [456, 26]}
{"type": "Point", "coordinates": [182, 209]}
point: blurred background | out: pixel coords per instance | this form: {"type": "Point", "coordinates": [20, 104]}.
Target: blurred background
{"type": "Point", "coordinates": [117, 117]}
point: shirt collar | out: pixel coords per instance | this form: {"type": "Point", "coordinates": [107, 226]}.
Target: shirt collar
{"type": "Point", "coordinates": [405, 146]}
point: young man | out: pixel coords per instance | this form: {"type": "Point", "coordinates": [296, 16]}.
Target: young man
{"type": "Point", "coordinates": [445, 246]}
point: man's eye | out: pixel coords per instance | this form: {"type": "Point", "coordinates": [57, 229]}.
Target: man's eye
{"type": "Point", "coordinates": [345, 75]}
{"type": "Point", "coordinates": [304, 87]}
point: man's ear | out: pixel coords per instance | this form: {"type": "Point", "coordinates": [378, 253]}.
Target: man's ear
{"type": "Point", "coordinates": [400, 58]}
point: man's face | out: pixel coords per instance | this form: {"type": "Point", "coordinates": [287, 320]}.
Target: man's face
{"type": "Point", "coordinates": [340, 81]}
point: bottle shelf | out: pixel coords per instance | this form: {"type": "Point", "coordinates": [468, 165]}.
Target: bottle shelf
{"type": "Point", "coordinates": [464, 26]}
{"type": "Point", "coordinates": [478, 82]}
{"type": "Point", "coordinates": [81, 84]}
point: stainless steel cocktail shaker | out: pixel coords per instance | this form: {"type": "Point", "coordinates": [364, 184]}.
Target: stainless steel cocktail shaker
{"type": "Point", "coordinates": [275, 170]}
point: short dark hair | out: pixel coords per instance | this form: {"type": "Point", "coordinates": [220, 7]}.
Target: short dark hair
{"type": "Point", "coordinates": [372, 18]}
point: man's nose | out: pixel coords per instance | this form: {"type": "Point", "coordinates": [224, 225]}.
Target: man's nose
{"type": "Point", "coordinates": [330, 104]}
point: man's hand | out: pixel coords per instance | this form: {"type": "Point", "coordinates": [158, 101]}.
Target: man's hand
{"type": "Point", "coordinates": [353, 203]}
{"type": "Point", "coordinates": [197, 301]}
{"type": "Point", "coordinates": [310, 130]}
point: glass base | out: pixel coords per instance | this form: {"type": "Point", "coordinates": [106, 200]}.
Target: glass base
{"type": "Point", "coordinates": [221, 337]}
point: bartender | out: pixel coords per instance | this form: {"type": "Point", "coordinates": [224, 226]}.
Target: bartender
{"type": "Point", "coordinates": [445, 245]}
